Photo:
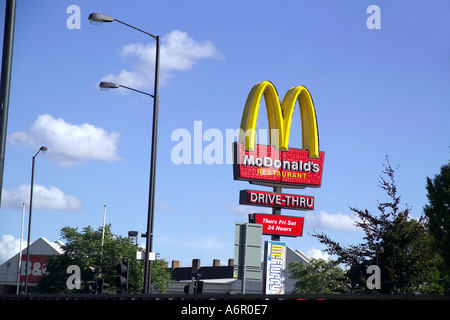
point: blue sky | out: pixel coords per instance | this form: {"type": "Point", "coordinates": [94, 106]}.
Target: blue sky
{"type": "Point", "coordinates": [377, 92]}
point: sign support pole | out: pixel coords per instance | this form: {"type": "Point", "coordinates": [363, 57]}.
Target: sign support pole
{"type": "Point", "coordinates": [276, 211]}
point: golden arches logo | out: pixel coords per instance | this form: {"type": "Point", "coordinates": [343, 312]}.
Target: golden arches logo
{"type": "Point", "coordinates": [280, 117]}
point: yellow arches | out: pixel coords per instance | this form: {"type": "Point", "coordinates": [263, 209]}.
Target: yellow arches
{"type": "Point", "coordinates": [280, 117]}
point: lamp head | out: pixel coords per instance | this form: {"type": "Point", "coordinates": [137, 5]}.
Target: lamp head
{"type": "Point", "coordinates": [98, 18]}
{"type": "Point", "coordinates": [104, 85]}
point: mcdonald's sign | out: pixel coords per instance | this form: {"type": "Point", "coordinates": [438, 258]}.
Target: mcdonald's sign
{"type": "Point", "coordinates": [277, 164]}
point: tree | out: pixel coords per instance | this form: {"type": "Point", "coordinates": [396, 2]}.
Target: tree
{"type": "Point", "coordinates": [85, 250]}
{"type": "Point", "coordinates": [319, 276]}
{"type": "Point", "coordinates": [407, 262]}
{"type": "Point", "coordinates": [437, 212]}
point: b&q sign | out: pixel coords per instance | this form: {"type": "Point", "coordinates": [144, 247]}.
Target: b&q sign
{"type": "Point", "coordinates": [277, 164]}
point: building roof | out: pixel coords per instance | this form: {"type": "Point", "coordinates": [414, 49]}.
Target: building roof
{"type": "Point", "coordinates": [42, 247]}
{"type": "Point", "coordinates": [224, 272]}
{"type": "Point", "coordinates": [297, 256]}
{"type": "Point", "coordinates": [220, 272]}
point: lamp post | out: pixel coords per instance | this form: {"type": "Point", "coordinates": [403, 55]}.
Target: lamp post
{"type": "Point", "coordinates": [20, 250]}
{"type": "Point", "coordinates": [5, 79]}
{"type": "Point", "coordinates": [111, 85]}
{"type": "Point", "coordinates": [98, 18]}
{"type": "Point", "coordinates": [378, 249]}
{"type": "Point", "coordinates": [43, 149]}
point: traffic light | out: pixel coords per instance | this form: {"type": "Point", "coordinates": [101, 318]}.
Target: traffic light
{"type": "Point", "coordinates": [92, 287]}
{"type": "Point", "coordinates": [97, 286]}
{"type": "Point", "coordinates": [101, 285]}
{"type": "Point", "coordinates": [189, 288]}
{"type": "Point", "coordinates": [199, 287]}
{"type": "Point", "coordinates": [196, 286]}
{"type": "Point", "coordinates": [122, 274]}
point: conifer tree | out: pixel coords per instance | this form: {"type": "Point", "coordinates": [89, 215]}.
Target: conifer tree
{"type": "Point", "coordinates": [394, 241]}
{"type": "Point", "coordinates": [437, 212]}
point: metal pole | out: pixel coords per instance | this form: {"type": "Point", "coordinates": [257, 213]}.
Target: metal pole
{"type": "Point", "coordinates": [8, 40]}
{"type": "Point", "coordinates": [151, 197]}
{"type": "Point", "coordinates": [20, 250]}
{"type": "Point", "coordinates": [44, 149]}
{"type": "Point", "coordinates": [276, 211]}
{"type": "Point", "coordinates": [29, 226]}
{"type": "Point", "coordinates": [148, 94]}
{"type": "Point", "coordinates": [151, 200]}
{"type": "Point", "coordinates": [103, 230]}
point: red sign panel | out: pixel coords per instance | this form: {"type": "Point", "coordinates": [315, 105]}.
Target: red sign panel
{"type": "Point", "coordinates": [36, 267]}
{"type": "Point", "coordinates": [272, 199]}
{"type": "Point", "coordinates": [279, 225]}
{"type": "Point", "coordinates": [268, 166]}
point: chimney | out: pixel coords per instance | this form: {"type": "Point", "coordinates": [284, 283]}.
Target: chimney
{"type": "Point", "coordinates": [175, 264]}
{"type": "Point", "coordinates": [195, 265]}
{"type": "Point", "coordinates": [231, 262]}
{"type": "Point", "coordinates": [216, 263]}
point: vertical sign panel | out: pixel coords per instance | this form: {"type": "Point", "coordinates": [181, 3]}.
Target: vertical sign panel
{"type": "Point", "coordinates": [275, 267]}
{"type": "Point", "coordinates": [247, 251]}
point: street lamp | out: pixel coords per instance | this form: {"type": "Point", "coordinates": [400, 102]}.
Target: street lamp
{"type": "Point", "coordinates": [111, 85]}
{"type": "Point", "coordinates": [378, 249]}
{"type": "Point", "coordinates": [43, 149]}
{"type": "Point", "coordinates": [98, 18]}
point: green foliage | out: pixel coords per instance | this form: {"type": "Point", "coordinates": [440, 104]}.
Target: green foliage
{"type": "Point", "coordinates": [437, 212]}
{"type": "Point", "coordinates": [161, 277]}
{"type": "Point", "coordinates": [319, 276]}
{"type": "Point", "coordinates": [407, 261]}
{"type": "Point", "coordinates": [85, 250]}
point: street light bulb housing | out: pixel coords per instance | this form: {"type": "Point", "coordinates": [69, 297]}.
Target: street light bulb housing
{"type": "Point", "coordinates": [105, 86]}
{"type": "Point", "coordinates": [98, 18]}
{"type": "Point", "coordinates": [44, 149]}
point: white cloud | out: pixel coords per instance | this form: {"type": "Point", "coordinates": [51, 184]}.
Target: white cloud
{"type": "Point", "coordinates": [43, 198]}
{"type": "Point", "coordinates": [164, 207]}
{"type": "Point", "coordinates": [337, 221]}
{"type": "Point", "coordinates": [9, 246]}
{"type": "Point", "coordinates": [178, 52]}
{"type": "Point", "coordinates": [313, 220]}
{"type": "Point", "coordinates": [68, 144]}
{"type": "Point", "coordinates": [317, 254]}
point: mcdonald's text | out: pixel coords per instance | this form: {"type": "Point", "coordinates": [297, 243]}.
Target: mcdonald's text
{"type": "Point", "coordinates": [265, 164]}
